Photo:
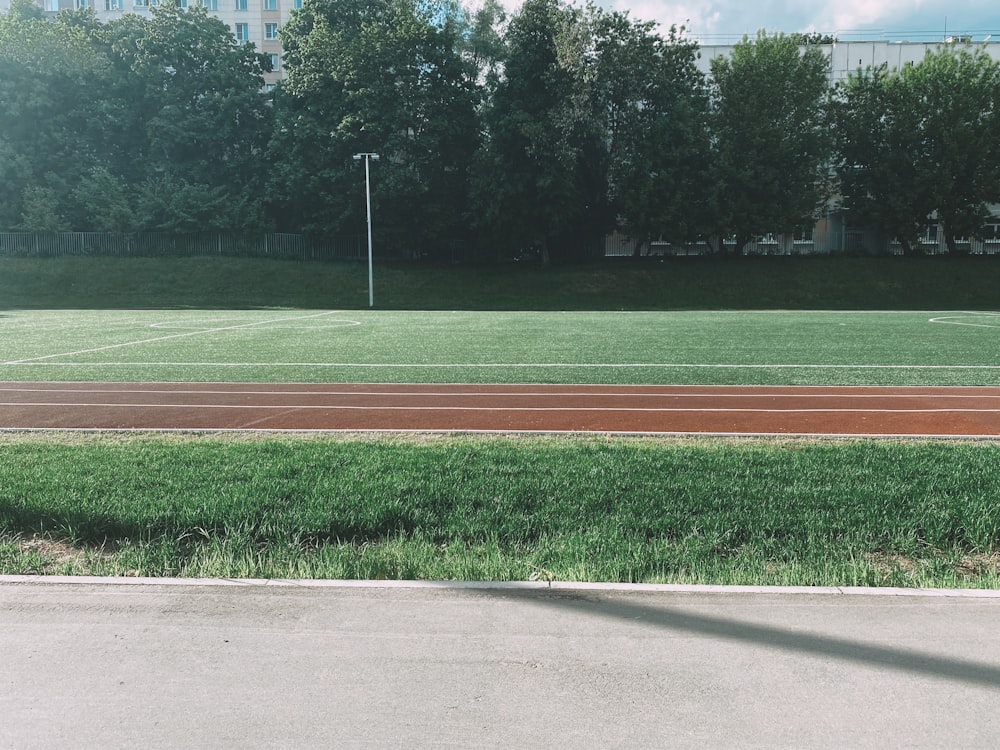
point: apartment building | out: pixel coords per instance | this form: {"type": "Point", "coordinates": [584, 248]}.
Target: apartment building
{"type": "Point", "coordinates": [257, 21]}
{"type": "Point", "coordinates": [848, 57]}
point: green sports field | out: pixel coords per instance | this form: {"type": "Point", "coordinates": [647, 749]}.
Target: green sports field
{"type": "Point", "coordinates": [710, 347]}
{"type": "Point", "coordinates": [910, 513]}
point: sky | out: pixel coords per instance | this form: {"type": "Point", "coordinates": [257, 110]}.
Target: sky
{"type": "Point", "coordinates": [725, 21]}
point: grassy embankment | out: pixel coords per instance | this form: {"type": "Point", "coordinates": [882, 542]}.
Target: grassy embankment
{"type": "Point", "coordinates": [707, 511]}
{"type": "Point", "coordinates": [887, 283]}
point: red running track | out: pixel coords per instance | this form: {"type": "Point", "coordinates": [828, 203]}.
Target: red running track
{"type": "Point", "coordinates": [743, 410]}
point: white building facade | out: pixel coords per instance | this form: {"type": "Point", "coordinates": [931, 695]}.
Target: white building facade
{"type": "Point", "coordinates": [256, 21]}
{"type": "Point", "coordinates": [851, 56]}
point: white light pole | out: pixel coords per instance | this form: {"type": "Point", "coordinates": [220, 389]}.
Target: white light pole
{"type": "Point", "coordinates": [368, 156]}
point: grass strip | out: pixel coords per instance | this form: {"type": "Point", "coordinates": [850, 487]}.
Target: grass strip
{"type": "Point", "coordinates": [802, 283]}
{"type": "Point", "coordinates": [832, 513]}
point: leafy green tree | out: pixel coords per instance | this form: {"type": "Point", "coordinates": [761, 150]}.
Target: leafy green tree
{"type": "Point", "coordinates": [957, 92]}
{"type": "Point", "coordinates": [107, 202]}
{"type": "Point", "coordinates": [192, 107]}
{"type": "Point", "coordinates": [920, 141]}
{"type": "Point", "coordinates": [883, 176]}
{"type": "Point", "coordinates": [772, 142]}
{"type": "Point", "coordinates": [92, 114]}
{"type": "Point", "coordinates": [813, 37]}
{"type": "Point", "coordinates": [541, 176]}
{"type": "Point", "coordinates": [40, 210]}
{"type": "Point", "coordinates": [482, 41]}
{"type": "Point", "coordinates": [654, 103]}
{"type": "Point", "coordinates": [384, 76]}
{"type": "Point", "coordinates": [52, 127]}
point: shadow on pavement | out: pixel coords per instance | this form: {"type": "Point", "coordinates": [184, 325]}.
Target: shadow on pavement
{"type": "Point", "coordinates": [671, 617]}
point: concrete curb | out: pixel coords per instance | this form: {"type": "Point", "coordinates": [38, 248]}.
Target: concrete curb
{"type": "Point", "coordinates": [652, 588]}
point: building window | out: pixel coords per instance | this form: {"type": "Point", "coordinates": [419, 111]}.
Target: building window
{"type": "Point", "coordinates": [81, 4]}
{"type": "Point", "coordinates": [297, 4]}
{"type": "Point", "coordinates": [242, 32]}
{"type": "Point", "coordinates": [210, 4]}
{"type": "Point", "coordinates": [275, 62]}
{"type": "Point", "coordinates": [270, 4]}
{"type": "Point", "coordinates": [241, 4]}
{"type": "Point", "coordinates": [270, 31]}
{"type": "Point", "coordinates": [181, 3]}
{"type": "Point", "coordinates": [113, 5]}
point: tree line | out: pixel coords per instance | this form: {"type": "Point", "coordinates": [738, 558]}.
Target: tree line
{"type": "Point", "coordinates": [541, 131]}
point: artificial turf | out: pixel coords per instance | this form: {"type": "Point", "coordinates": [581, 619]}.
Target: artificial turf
{"type": "Point", "coordinates": [749, 347]}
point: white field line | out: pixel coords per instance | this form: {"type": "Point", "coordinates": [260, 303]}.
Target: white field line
{"type": "Point", "coordinates": [484, 365]}
{"type": "Point", "coordinates": [590, 409]}
{"type": "Point", "coordinates": [896, 392]}
{"type": "Point", "coordinates": [785, 435]}
{"type": "Point", "coordinates": [962, 318]}
{"type": "Point", "coordinates": [220, 329]}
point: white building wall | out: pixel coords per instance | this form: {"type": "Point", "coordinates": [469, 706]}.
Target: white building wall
{"type": "Point", "coordinates": [848, 57]}
{"type": "Point", "coordinates": [255, 16]}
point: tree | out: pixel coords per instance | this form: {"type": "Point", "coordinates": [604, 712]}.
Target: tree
{"type": "Point", "coordinates": [883, 176]}
{"type": "Point", "coordinates": [482, 40]}
{"type": "Point", "coordinates": [922, 140]}
{"type": "Point", "coordinates": [385, 76]}
{"type": "Point", "coordinates": [52, 127]}
{"type": "Point", "coordinates": [92, 115]}
{"type": "Point", "coordinates": [812, 37]}
{"type": "Point", "coordinates": [541, 175]}
{"type": "Point", "coordinates": [957, 93]}
{"type": "Point", "coordinates": [192, 108]}
{"type": "Point", "coordinates": [654, 103]}
{"type": "Point", "coordinates": [771, 136]}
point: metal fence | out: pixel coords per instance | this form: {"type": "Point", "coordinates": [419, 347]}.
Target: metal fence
{"type": "Point", "coordinates": [151, 245]}
{"type": "Point", "coordinates": [836, 240]}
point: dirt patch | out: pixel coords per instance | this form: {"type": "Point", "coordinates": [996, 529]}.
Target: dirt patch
{"type": "Point", "coordinates": [981, 563]}
{"type": "Point", "coordinates": [892, 561]}
{"type": "Point", "coordinates": [59, 554]}
{"type": "Point", "coordinates": [967, 566]}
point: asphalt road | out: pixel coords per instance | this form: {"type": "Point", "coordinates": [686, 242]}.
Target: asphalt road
{"type": "Point", "coordinates": [233, 665]}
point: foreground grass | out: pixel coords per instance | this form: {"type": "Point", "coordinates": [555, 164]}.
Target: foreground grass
{"type": "Point", "coordinates": [597, 509]}
{"type": "Point", "coordinates": [802, 283]}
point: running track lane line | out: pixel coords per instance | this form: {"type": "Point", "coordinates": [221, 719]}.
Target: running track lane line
{"type": "Point", "coordinates": [914, 411]}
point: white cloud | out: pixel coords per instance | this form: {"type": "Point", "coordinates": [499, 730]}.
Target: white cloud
{"type": "Point", "coordinates": [698, 18]}
{"type": "Point", "coordinates": [733, 18]}
{"type": "Point", "coordinates": [864, 14]}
